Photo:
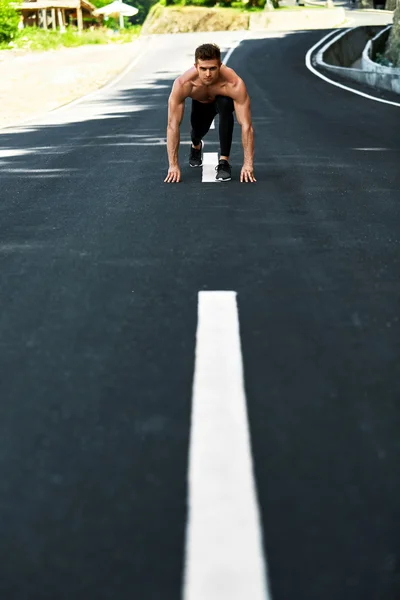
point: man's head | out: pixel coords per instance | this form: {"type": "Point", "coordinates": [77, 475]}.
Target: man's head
{"type": "Point", "coordinates": [208, 63]}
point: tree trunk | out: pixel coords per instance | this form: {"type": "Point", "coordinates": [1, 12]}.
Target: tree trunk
{"type": "Point", "coordinates": [394, 38]}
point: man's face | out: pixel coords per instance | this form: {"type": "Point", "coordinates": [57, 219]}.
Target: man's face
{"type": "Point", "coordinates": [208, 70]}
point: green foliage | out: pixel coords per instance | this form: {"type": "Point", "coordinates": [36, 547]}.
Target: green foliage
{"type": "Point", "coordinates": [207, 3]}
{"type": "Point", "coordinates": [383, 60]}
{"type": "Point", "coordinates": [256, 4]}
{"type": "Point", "coordinates": [142, 5]}
{"type": "Point", "coordinates": [238, 4]}
{"type": "Point", "coordinates": [9, 19]}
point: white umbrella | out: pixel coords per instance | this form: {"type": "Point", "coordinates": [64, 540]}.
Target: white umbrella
{"type": "Point", "coordinates": [115, 9]}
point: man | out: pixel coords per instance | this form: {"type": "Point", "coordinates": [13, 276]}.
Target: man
{"type": "Point", "coordinates": [214, 88]}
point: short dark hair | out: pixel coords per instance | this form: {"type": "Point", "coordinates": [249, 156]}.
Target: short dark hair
{"type": "Point", "coordinates": [207, 52]}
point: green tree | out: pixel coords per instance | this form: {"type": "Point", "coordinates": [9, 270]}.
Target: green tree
{"type": "Point", "coordinates": [142, 5]}
{"type": "Point", "coordinates": [9, 19]}
{"type": "Point", "coordinates": [394, 39]}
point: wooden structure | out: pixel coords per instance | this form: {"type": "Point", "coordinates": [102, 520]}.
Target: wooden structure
{"type": "Point", "coordinates": [57, 13]}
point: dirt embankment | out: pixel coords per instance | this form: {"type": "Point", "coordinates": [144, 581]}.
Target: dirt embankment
{"type": "Point", "coordinates": [193, 18]}
{"type": "Point", "coordinates": [185, 19]}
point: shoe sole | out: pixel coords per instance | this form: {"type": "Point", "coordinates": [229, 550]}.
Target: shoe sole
{"type": "Point", "coordinates": [227, 179]}
{"type": "Point", "coordinates": [195, 166]}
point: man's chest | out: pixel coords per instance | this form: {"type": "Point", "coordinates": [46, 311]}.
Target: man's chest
{"type": "Point", "coordinates": [208, 93]}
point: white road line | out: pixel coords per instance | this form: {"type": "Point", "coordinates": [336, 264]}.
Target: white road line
{"type": "Point", "coordinates": [339, 85]}
{"type": "Point", "coordinates": [231, 51]}
{"type": "Point", "coordinates": [210, 161]}
{"type": "Point", "coordinates": [372, 149]}
{"type": "Point", "coordinates": [224, 549]}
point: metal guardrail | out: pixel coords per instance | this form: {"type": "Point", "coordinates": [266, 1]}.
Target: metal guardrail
{"type": "Point", "coordinates": [370, 72]}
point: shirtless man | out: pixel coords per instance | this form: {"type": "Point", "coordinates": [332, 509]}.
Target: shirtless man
{"type": "Point", "coordinates": [214, 88]}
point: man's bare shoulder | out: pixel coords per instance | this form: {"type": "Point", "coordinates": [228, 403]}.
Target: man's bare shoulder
{"type": "Point", "coordinates": [183, 85]}
{"type": "Point", "coordinates": [236, 86]}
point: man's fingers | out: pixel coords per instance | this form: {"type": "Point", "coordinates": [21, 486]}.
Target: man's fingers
{"type": "Point", "coordinates": [173, 178]}
{"type": "Point", "coordinates": [247, 177]}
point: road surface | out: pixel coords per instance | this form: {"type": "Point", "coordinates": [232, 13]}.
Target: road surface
{"type": "Point", "coordinates": [104, 273]}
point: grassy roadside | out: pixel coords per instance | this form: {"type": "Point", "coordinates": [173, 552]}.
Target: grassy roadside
{"type": "Point", "coordinates": [34, 39]}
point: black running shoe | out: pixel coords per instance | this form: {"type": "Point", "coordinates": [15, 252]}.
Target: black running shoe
{"type": "Point", "coordinates": [224, 172]}
{"type": "Point", "coordinates": [195, 157]}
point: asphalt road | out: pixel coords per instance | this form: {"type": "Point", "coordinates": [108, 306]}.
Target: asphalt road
{"type": "Point", "coordinates": [101, 264]}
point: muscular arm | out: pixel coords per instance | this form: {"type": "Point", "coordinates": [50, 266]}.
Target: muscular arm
{"type": "Point", "coordinates": [176, 107]}
{"type": "Point", "coordinates": [243, 115]}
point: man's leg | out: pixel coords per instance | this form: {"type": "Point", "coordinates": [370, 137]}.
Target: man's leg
{"type": "Point", "coordinates": [225, 109]}
{"type": "Point", "coordinates": [201, 117]}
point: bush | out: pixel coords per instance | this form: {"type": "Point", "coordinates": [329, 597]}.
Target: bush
{"type": "Point", "coordinates": [9, 19]}
{"type": "Point", "coordinates": [381, 59]}
{"type": "Point", "coordinates": [207, 3]}
{"type": "Point", "coordinates": [239, 4]}
{"type": "Point", "coordinates": [252, 4]}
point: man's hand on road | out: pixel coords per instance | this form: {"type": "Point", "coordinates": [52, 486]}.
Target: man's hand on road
{"type": "Point", "coordinates": [247, 175]}
{"type": "Point", "coordinates": [174, 175]}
